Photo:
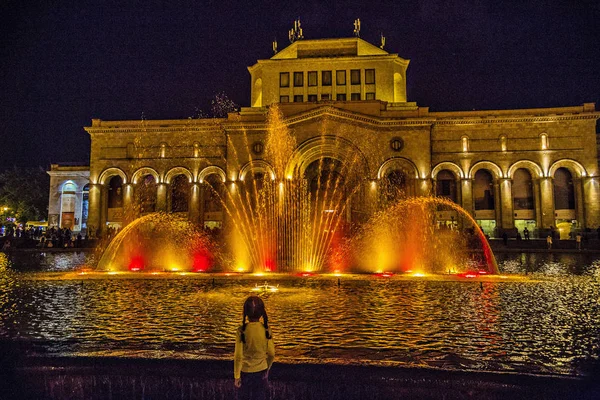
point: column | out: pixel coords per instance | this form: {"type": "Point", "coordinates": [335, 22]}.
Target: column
{"type": "Point", "coordinates": [95, 206]}
{"type": "Point", "coordinates": [498, 206]}
{"type": "Point", "coordinates": [591, 201]}
{"type": "Point", "coordinates": [537, 196]}
{"type": "Point", "coordinates": [547, 202]}
{"type": "Point", "coordinates": [467, 195]}
{"type": "Point", "coordinates": [579, 207]}
{"type": "Point", "coordinates": [128, 208]}
{"type": "Point", "coordinates": [507, 203]}
{"type": "Point", "coordinates": [194, 204]}
{"type": "Point", "coordinates": [103, 211]}
{"type": "Point", "coordinates": [161, 197]}
{"type": "Point", "coordinates": [423, 187]}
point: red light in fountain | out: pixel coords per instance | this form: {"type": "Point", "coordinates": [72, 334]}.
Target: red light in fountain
{"type": "Point", "coordinates": [136, 263]}
{"type": "Point", "coordinates": [201, 262]}
{"type": "Point", "coordinates": [469, 274]}
{"type": "Point", "coordinates": [269, 265]}
{"type": "Point", "coordinates": [384, 274]}
{"type": "Point", "coordinates": [306, 274]}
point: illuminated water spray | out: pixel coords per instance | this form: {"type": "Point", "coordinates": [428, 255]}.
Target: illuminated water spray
{"type": "Point", "coordinates": [286, 219]}
{"type": "Point", "coordinates": [159, 242]}
{"type": "Point", "coordinates": [406, 238]}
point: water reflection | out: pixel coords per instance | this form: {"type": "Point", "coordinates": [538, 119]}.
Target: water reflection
{"type": "Point", "coordinates": [547, 324]}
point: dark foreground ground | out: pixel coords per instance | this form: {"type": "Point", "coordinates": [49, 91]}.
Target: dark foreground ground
{"type": "Point", "coordinates": [127, 378]}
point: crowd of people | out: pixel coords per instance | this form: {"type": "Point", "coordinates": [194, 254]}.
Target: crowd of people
{"type": "Point", "coordinates": [51, 238]}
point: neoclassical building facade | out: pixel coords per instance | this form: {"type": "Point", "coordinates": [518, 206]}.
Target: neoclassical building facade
{"type": "Point", "coordinates": [344, 101]}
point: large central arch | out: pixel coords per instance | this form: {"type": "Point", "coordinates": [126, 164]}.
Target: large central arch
{"type": "Point", "coordinates": [327, 146]}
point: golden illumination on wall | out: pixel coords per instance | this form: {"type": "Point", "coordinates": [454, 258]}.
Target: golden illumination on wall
{"type": "Point", "coordinates": [503, 142]}
{"type": "Point", "coordinates": [544, 139]}
{"type": "Point", "coordinates": [465, 144]}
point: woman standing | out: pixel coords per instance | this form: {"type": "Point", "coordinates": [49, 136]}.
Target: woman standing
{"type": "Point", "coordinates": [254, 351]}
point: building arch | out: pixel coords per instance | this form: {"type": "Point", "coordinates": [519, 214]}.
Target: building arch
{"type": "Point", "coordinates": [534, 169]}
{"type": "Point", "coordinates": [257, 166]}
{"type": "Point", "coordinates": [573, 166]}
{"type": "Point", "coordinates": [173, 172]}
{"type": "Point", "coordinates": [68, 186]}
{"type": "Point", "coordinates": [489, 165]}
{"type": "Point", "coordinates": [327, 146]}
{"type": "Point", "coordinates": [143, 172]}
{"type": "Point", "coordinates": [449, 166]}
{"type": "Point", "coordinates": [397, 163]}
{"type": "Point", "coordinates": [109, 173]}
{"type": "Point", "coordinates": [212, 170]}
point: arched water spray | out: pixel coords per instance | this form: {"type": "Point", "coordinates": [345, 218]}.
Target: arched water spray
{"type": "Point", "coordinates": [159, 242]}
{"type": "Point", "coordinates": [406, 238]}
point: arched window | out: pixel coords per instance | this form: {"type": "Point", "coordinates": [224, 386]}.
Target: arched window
{"type": "Point", "coordinates": [395, 186]}
{"type": "Point", "coordinates": [483, 190]}
{"type": "Point", "coordinates": [146, 194]}
{"type": "Point", "coordinates": [503, 143]}
{"type": "Point", "coordinates": [115, 192]}
{"type": "Point", "coordinates": [445, 185]}
{"type": "Point", "coordinates": [544, 141]}
{"type": "Point", "coordinates": [180, 193]}
{"type": "Point", "coordinates": [67, 205]}
{"type": "Point", "coordinates": [465, 144]}
{"type": "Point", "coordinates": [213, 194]}
{"type": "Point", "coordinates": [522, 190]}
{"type": "Point", "coordinates": [564, 191]}
{"type": "Point", "coordinates": [326, 182]}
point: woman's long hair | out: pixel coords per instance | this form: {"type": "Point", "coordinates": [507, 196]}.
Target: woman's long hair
{"type": "Point", "coordinates": [254, 308]}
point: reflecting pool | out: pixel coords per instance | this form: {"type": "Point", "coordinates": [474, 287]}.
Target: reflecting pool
{"type": "Point", "coordinates": [547, 321]}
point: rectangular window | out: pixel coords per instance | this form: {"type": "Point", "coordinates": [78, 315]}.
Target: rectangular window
{"type": "Point", "coordinates": [284, 79]}
{"type": "Point", "coordinates": [370, 76]}
{"type": "Point", "coordinates": [312, 78]}
{"type": "Point", "coordinates": [284, 99]}
{"type": "Point", "coordinates": [355, 76]}
{"type": "Point", "coordinates": [312, 97]}
{"type": "Point", "coordinates": [325, 78]}
{"type": "Point", "coordinates": [370, 96]}
{"type": "Point", "coordinates": [298, 98]}
{"type": "Point", "coordinates": [341, 96]}
{"type": "Point", "coordinates": [325, 96]}
{"type": "Point", "coordinates": [340, 78]}
{"type": "Point", "coordinates": [298, 79]}
{"type": "Point", "coordinates": [355, 96]}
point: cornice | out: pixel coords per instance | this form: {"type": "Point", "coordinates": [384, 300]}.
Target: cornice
{"type": "Point", "coordinates": [212, 129]}
{"type": "Point", "coordinates": [509, 120]}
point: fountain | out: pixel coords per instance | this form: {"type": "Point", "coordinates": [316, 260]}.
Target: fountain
{"type": "Point", "coordinates": [291, 219]}
{"type": "Point", "coordinates": [159, 242]}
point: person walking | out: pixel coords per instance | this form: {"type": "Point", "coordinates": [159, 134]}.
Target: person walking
{"type": "Point", "coordinates": [505, 238]}
{"type": "Point", "coordinates": [549, 242]}
{"type": "Point", "coordinates": [526, 233]}
{"type": "Point", "coordinates": [254, 352]}
{"type": "Point", "coordinates": [578, 240]}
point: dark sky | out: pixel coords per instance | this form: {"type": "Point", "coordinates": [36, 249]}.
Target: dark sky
{"type": "Point", "coordinates": [63, 63]}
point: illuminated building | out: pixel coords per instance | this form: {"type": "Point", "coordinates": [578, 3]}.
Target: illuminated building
{"type": "Point", "coordinates": [346, 99]}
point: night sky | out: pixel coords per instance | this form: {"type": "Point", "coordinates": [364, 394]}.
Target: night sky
{"type": "Point", "coordinates": [63, 63]}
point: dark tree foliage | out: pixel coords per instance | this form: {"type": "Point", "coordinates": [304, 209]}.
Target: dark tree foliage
{"type": "Point", "coordinates": [25, 192]}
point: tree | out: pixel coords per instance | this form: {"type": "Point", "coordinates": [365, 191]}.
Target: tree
{"type": "Point", "coordinates": [220, 106]}
{"type": "Point", "coordinates": [24, 194]}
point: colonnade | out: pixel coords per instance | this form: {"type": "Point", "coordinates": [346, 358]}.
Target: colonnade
{"type": "Point", "coordinates": [586, 191]}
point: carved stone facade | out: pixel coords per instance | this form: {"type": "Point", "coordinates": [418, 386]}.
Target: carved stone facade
{"type": "Point", "coordinates": [535, 168]}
